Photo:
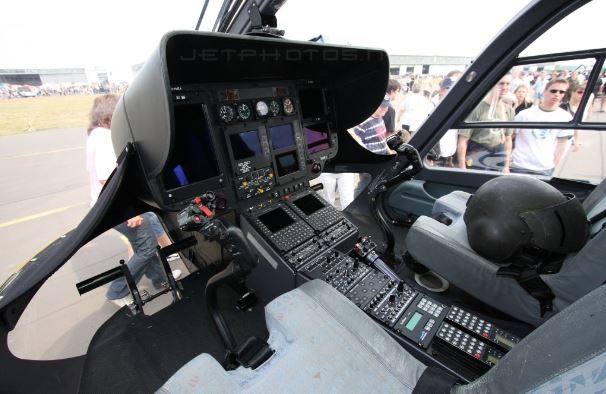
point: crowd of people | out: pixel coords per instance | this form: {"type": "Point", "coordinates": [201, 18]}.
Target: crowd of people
{"type": "Point", "coordinates": [518, 97]}
{"type": "Point", "coordinates": [12, 91]}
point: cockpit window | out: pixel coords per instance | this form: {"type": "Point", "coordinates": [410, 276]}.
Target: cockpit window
{"type": "Point", "coordinates": [577, 32]}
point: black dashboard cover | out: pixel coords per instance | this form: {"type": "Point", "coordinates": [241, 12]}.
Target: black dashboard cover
{"type": "Point", "coordinates": [358, 78]}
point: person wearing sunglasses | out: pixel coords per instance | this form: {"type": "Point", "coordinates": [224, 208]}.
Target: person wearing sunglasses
{"type": "Point", "coordinates": [538, 151]}
{"type": "Point", "coordinates": [572, 105]}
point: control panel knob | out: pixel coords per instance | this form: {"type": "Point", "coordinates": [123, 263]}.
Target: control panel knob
{"type": "Point", "coordinates": [400, 287]}
{"type": "Point", "coordinates": [316, 167]}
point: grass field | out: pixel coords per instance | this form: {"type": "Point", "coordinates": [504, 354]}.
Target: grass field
{"type": "Point", "coordinates": [40, 113]}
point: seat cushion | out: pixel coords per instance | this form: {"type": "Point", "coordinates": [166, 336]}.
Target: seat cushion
{"type": "Point", "coordinates": [446, 250]}
{"type": "Point", "coordinates": [323, 342]}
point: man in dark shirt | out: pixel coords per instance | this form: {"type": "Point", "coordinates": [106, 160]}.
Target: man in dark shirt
{"type": "Point", "coordinates": [372, 133]}
{"type": "Point", "coordinates": [393, 87]}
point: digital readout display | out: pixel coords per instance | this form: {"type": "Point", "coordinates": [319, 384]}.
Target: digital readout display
{"type": "Point", "coordinates": [276, 220]}
{"type": "Point", "coordinates": [492, 359]}
{"type": "Point", "coordinates": [281, 136]}
{"type": "Point", "coordinates": [287, 163]}
{"type": "Point", "coordinates": [504, 341]}
{"type": "Point", "coordinates": [414, 320]}
{"type": "Point", "coordinates": [308, 204]}
{"type": "Point", "coordinates": [245, 144]}
{"type": "Point", "coordinates": [316, 137]}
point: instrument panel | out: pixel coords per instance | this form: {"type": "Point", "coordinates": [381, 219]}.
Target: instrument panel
{"type": "Point", "coordinates": [251, 143]}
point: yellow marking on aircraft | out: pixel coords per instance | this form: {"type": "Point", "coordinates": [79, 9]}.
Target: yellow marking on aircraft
{"type": "Point", "coordinates": [39, 215]}
{"type": "Point", "coordinates": [49, 152]}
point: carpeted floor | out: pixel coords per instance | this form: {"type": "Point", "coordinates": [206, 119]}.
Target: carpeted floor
{"type": "Point", "coordinates": [138, 354]}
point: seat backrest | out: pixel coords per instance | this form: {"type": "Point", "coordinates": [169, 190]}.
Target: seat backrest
{"type": "Point", "coordinates": [567, 352]}
{"type": "Point", "coordinates": [585, 270]}
{"type": "Point", "coordinates": [452, 205]}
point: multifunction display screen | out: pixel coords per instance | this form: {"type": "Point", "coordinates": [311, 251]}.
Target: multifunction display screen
{"type": "Point", "coordinates": [312, 103]}
{"type": "Point", "coordinates": [245, 144]}
{"type": "Point", "coordinates": [276, 220]}
{"type": "Point", "coordinates": [317, 137]}
{"type": "Point", "coordinates": [414, 320]}
{"type": "Point", "coordinates": [287, 163]}
{"type": "Point", "coordinates": [193, 157]}
{"type": "Point", "coordinates": [281, 136]}
{"type": "Point", "coordinates": [308, 204]}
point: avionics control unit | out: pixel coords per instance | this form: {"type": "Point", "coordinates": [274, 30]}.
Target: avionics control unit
{"type": "Point", "coordinates": [458, 339]}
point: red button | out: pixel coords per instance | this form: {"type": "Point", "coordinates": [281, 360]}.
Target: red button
{"type": "Point", "coordinates": [206, 211]}
{"type": "Point", "coordinates": [477, 355]}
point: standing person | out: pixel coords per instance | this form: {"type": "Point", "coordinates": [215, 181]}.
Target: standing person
{"type": "Point", "coordinates": [445, 149]}
{"type": "Point", "coordinates": [538, 151]}
{"type": "Point", "coordinates": [539, 86]}
{"type": "Point", "coordinates": [372, 133]}
{"type": "Point", "coordinates": [343, 183]}
{"type": "Point", "coordinates": [572, 105]}
{"type": "Point", "coordinates": [522, 101]}
{"type": "Point", "coordinates": [493, 140]}
{"type": "Point", "coordinates": [100, 163]}
{"type": "Point", "coordinates": [416, 108]}
{"type": "Point", "coordinates": [393, 88]}
{"type": "Point", "coordinates": [161, 237]}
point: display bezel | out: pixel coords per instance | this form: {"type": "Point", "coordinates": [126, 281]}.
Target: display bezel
{"type": "Point", "coordinates": [174, 195]}
{"type": "Point", "coordinates": [327, 140]}
{"type": "Point", "coordinates": [245, 165]}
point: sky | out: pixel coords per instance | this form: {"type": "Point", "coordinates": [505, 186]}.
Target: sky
{"type": "Point", "coordinates": [70, 33]}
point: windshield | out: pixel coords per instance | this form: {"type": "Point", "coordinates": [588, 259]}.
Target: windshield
{"type": "Point", "coordinates": [433, 28]}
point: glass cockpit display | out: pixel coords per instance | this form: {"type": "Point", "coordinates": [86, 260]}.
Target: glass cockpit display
{"type": "Point", "coordinates": [287, 163]}
{"type": "Point", "coordinates": [317, 137]}
{"type": "Point", "coordinates": [308, 204]}
{"type": "Point", "coordinates": [245, 144]}
{"type": "Point", "coordinates": [276, 220]}
{"type": "Point", "coordinates": [281, 136]}
{"type": "Point", "coordinates": [193, 158]}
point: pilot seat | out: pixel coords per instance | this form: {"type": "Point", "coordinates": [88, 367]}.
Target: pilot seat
{"type": "Point", "coordinates": [480, 265]}
{"type": "Point", "coordinates": [324, 343]}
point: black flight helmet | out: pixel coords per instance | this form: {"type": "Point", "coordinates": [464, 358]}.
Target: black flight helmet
{"type": "Point", "coordinates": [510, 213]}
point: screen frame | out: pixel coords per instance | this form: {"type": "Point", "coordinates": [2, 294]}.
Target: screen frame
{"type": "Point", "coordinates": [328, 140]}
{"type": "Point", "coordinates": [292, 134]}
{"type": "Point", "coordinates": [172, 197]}
{"type": "Point", "coordinates": [254, 162]}
{"type": "Point", "coordinates": [256, 133]}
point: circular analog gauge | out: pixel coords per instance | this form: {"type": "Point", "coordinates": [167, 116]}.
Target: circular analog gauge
{"type": "Point", "coordinates": [289, 107]}
{"type": "Point", "coordinates": [244, 111]}
{"type": "Point", "coordinates": [274, 108]}
{"type": "Point", "coordinates": [261, 108]}
{"type": "Point", "coordinates": [226, 113]}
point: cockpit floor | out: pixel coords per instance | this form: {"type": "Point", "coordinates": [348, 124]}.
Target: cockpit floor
{"type": "Point", "coordinates": [138, 354]}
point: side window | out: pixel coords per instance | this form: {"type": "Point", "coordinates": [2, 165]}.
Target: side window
{"type": "Point", "coordinates": [62, 319]}
{"type": "Point", "coordinates": [548, 92]}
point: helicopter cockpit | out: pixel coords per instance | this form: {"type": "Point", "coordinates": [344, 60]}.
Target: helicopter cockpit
{"type": "Point", "coordinates": [224, 137]}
